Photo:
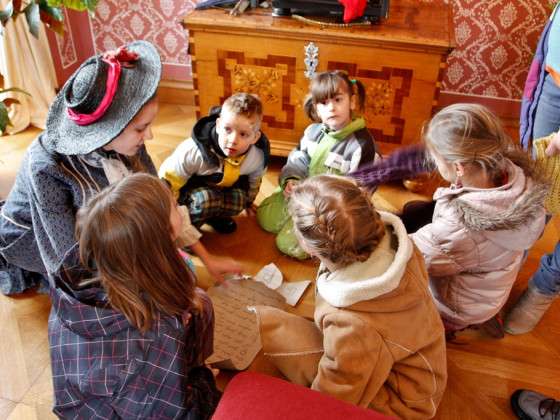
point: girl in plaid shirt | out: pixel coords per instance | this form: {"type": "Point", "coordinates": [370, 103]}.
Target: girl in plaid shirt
{"type": "Point", "coordinates": [131, 340]}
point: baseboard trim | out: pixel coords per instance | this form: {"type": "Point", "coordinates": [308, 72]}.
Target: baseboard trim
{"type": "Point", "coordinates": [507, 110]}
{"type": "Point", "coordinates": [176, 92]}
{"type": "Point", "coordinates": [503, 107]}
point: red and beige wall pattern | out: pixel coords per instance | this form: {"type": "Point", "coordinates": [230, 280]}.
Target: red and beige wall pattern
{"type": "Point", "coordinates": [495, 40]}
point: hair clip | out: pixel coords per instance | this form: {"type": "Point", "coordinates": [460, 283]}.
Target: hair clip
{"type": "Point", "coordinates": [353, 81]}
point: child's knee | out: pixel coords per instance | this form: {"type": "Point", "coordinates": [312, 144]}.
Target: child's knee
{"type": "Point", "coordinates": [288, 244]}
{"type": "Point", "coordinates": [272, 214]}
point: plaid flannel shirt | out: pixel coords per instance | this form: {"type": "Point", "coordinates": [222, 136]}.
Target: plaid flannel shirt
{"type": "Point", "coordinates": [104, 368]}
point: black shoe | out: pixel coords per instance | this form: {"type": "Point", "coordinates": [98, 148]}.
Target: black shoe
{"type": "Point", "coordinates": [222, 224]}
{"type": "Point", "coordinates": [530, 405]}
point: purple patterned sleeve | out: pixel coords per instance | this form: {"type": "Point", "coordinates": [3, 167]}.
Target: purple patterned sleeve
{"type": "Point", "coordinates": [406, 162]}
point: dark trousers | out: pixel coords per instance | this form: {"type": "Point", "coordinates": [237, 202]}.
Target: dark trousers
{"type": "Point", "coordinates": [417, 214]}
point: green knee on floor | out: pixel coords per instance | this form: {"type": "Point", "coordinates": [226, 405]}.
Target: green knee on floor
{"type": "Point", "coordinates": [288, 244]}
{"type": "Point", "coordinates": [273, 214]}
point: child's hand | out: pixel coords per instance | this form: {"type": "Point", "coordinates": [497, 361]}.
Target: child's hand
{"type": "Point", "coordinates": [554, 145]}
{"type": "Point", "coordinates": [215, 371]}
{"type": "Point", "coordinates": [219, 267]}
{"type": "Point", "coordinates": [288, 187]}
{"type": "Point", "coordinates": [251, 211]}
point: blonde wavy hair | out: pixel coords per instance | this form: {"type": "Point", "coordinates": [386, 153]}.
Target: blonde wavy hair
{"type": "Point", "coordinates": [472, 134]}
{"type": "Point", "coordinates": [335, 219]}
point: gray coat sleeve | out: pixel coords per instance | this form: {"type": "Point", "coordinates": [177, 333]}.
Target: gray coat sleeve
{"type": "Point", "coordinates": [54, 216]}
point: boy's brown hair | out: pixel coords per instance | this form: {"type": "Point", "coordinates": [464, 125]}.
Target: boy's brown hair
{"type": "Point", "coordinates": [125, 234]}
{"type": "Point", "coordinates": [247, 105]}
{"type": "Point", "coordinates": [336, 219]}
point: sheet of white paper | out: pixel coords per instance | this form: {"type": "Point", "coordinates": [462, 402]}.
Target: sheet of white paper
{"type": "Point", "coordinates": [293, 291]}
{"type": "Point", "coordinates": [236, 334]}
{"type": "Point", "coordinates": [270, 276]}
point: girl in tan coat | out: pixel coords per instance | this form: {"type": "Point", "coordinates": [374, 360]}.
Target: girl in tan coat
{"type": "Point", "coordinates": [382, 339]}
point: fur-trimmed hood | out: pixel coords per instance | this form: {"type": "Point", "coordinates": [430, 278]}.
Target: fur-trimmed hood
{"type": "Point", "coordinates": [503, 211]}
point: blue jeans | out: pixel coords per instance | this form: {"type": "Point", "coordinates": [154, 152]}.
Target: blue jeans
{"type": "Point", "coordinates": [547, 277]}
{"type": "Point", "coordinates": [547, 120]}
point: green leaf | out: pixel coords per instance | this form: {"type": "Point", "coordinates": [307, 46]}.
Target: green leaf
{"type": "Point", "coordinates": [33, 19]}
{"type": "Point", "coordinates": [91, 5]}
{"type": "Point", "coordinates": [4, 118]}
{"type": "Point", "coordinates": [55, 12]}
{"type": "Point", "coordinates": [79, 5]}
{"type": "Point", "coordinates": [6, 13]}
{"type": "Point", "coordinates": [14, 89]}
{"type": "Point", "coordinates": [52, 17]}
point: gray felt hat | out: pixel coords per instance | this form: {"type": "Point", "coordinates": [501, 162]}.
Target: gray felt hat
{"type": "Point", "coordinates": [84, 91]}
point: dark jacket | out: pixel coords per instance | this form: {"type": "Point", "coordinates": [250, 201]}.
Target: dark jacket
{"type": "Point", "coordinates": [37, 220]}
{"type": "Point", "coordinates": [198, 161]}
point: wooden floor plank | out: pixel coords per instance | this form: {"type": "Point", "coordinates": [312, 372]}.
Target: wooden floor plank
{"type": "Point", "coordinates": [482, 372]}
{"type": "Point", "coordinates": [6, 407]}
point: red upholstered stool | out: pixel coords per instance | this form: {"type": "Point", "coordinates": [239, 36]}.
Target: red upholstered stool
{"type": "Point", "coordinates": [252, 395]}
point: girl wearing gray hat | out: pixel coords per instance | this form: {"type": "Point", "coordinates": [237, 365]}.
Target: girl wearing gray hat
{"type": "Point", "coordinates": [96, 129]}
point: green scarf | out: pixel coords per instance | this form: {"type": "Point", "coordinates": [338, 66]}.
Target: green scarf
{"type": "Point", "coordinates": [328, 140]}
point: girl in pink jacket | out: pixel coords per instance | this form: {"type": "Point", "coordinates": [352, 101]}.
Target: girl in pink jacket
{"type": "Point", "coordinates": [483, 223]}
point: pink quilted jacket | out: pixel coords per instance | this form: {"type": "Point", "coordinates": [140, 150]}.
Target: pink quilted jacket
{"type": "Point", "coordinates": [475, 245]}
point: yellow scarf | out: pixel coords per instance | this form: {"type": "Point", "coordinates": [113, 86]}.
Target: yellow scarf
{"type": "Point", "coordinates": [232, 167]}
{"type": "Point", "coordinates": [550, 167]}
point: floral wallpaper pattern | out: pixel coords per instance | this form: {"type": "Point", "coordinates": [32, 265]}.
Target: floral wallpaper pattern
{"type": "Point", "coordinates": [495, 39]}
{"type": "Point", "coordinates": [117, 22]}
{"type": "Point", "coordinates": [495, 44]}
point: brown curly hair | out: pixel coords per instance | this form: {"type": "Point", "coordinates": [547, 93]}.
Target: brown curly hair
{"type": "Point", "coordinates": [245, 104]}
{"type": "Point", "coordinates": [335, 219]}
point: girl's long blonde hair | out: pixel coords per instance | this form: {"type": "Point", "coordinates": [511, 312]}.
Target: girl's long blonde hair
{"type": "Point", "coordinates": [472, 134]}
{"type": "Point", "coordinates": [124, 233]}
{"type": "Point", "coordinates": [336, 219]}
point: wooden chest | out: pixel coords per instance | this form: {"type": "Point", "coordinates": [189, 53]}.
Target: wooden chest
{"type": "Point", "coordinates": [400, 62]}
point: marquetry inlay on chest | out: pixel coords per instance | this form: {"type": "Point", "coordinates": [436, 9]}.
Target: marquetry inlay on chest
{"type": "Point", "coordinates": [400, 62]}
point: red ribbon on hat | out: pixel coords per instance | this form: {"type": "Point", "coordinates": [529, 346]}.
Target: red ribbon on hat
{"type": "Point", "coordinates": [115, 59]}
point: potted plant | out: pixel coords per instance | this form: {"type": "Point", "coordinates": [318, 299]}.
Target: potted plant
{"type": "Point", "coordinates": [36, 11]}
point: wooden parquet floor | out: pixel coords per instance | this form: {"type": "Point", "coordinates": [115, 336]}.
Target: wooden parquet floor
{"type": "Point", "coordinates": [483, 372]}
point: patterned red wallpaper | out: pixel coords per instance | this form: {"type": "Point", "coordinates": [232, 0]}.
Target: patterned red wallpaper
{"type": "Point", "coordinates": [495, 43]}
{"type": "Point", "coordinates": [117, 22]}
{"type": "Point", "coordinates": [495, 40]}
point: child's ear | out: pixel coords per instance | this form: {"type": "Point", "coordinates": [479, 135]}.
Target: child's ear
{"type": "Point", "coordinates": [352, 102]}
{"type": "Point", "coordinates": [257, 136]}
{"type": "Point", "coordinates": [459, 169]}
